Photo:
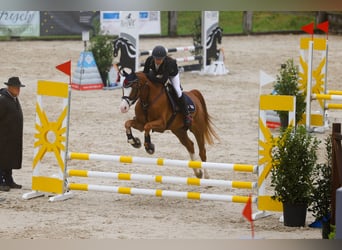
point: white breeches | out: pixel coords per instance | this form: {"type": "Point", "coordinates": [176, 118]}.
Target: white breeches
{"type": "Point", "coordinates": [176, 85]}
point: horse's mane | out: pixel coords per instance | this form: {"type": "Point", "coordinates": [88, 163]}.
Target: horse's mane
{"type": "Point", "coordinates": [142, 76]}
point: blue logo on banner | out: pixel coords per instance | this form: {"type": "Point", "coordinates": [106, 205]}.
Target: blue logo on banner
{"type": "Point", "coordinates": [111, 15]}
{"type": "Point", "coordinates": [143, 15]}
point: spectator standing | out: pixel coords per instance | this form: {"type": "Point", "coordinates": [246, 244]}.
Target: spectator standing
{"type": "Point", "coordinates": [11, 133]}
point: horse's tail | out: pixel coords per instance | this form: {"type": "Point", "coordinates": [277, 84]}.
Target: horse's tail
{"type": "Point", "coordinates": [209, 132]}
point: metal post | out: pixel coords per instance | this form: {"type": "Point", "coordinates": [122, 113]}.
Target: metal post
{"type": "Point", "coordinates": [204, 40]}
{"type": "Point", "coordinates": [325, 111]}
{"type": "Point", "coordinates": [308, 88]}
{"type": "Point", "coordinates": [338, 214]}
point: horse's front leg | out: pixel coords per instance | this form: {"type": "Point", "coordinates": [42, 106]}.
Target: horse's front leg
{"type": "Point", "coordinates": [156, 125]}
{"type": "Point", "coordinates": [134, 141]}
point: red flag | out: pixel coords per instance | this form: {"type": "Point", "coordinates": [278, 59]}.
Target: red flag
{"type": "Point", "coordinates": [323, 26]}
{"type": "Point", "coordinates": [65, 67]}
{"type": "Point", "coordinates": [309, 28]}
{"type": "Point", "coordinates": [247, 211]}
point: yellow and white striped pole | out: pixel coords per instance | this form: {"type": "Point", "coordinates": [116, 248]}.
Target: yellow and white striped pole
{"type": "Point", "coordinates": [163, 179]}
{"type": "Point", "coordinates": [160, 193]}
{"type": "Point", "coordinates": [163, 162]}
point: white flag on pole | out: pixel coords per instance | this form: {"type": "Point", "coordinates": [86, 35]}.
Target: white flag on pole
{"type": "Point", "coordinates": [265, 78]}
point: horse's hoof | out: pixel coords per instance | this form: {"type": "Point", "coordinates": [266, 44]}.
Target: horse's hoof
{"type": "Point", "coordinates": [150, 151]}
{"type": "Point", "coordinates": [199, 173]}
{"type": "Point", "coordinates": [136, 143]}
{"type": "Point", "coordinates": [149, 148]}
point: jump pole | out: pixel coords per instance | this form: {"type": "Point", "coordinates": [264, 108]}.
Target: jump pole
{"type": "Point", "coordinates": [169, 50]}
{"type": "Point", "coordinates": [163, 162]}
{"type": "Point", "coordinates": [163, 179]}
{"type": "Point", "coordinates": [160, 193]}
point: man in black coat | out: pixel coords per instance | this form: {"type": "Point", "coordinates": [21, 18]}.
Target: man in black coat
{"type": "Point", "coordinates": [11, 133]}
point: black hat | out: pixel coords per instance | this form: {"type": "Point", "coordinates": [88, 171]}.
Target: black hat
{"type": "Point", "coordinates": [14, 81]}
{"type": "Point", "coordinates": [159, 52]}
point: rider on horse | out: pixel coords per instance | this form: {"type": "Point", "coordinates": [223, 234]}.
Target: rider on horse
{"type": "Point", "coordinates": [160, 68]}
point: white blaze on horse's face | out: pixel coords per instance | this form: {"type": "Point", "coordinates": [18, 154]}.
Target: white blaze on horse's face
{"type": "Point", "coordinates": [126, 103]}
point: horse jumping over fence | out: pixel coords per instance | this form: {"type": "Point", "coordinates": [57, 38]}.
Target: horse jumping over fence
{"type": "Point", "coordinates": [154, 112]}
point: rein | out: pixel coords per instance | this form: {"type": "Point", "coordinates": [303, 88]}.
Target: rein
{"type": "Point", "coordinates": [146, 104]}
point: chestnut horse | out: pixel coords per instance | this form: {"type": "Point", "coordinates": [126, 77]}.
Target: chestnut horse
{"type": "Point", "coordinates": [154, 112]}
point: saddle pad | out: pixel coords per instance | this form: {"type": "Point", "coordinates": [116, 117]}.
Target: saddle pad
{"type": "Point", "coordinates": [190, 103]}
{"type": "Point", "coordinates": [172, 96]}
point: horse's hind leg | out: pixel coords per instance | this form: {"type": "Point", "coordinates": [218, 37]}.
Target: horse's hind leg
{"type": "Point", "coordinates": [202, 150]}
{"type": "Point", "coordinates": [189, 145]}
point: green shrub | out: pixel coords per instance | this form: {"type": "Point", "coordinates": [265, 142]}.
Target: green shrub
{"type": "Point", "coordinates": [287, 83]}
{"type": "Point", "coordinates": [293, 161]}
{"type": "Point", "coordinates": [101, 45]}
{"type": "Point", "coordinates": [102, 49]}
{"type": "Point", "coordinates": [322, 186]}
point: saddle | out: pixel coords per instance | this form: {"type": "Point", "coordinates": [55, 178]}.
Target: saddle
{"type": "Point", "coordinates": [173, 99]}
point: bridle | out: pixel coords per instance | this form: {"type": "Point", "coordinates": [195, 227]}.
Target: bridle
{"type": "Point", "coordinates": [135, 91]}
{"type": "Point", "coordinates": [141, 90]}
{"type": "Point", "coordinates": [134, 94]}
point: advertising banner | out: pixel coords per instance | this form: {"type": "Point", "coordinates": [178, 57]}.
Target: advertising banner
{"type": "Point", "coordinates": [66, 22]}
{"type": "Point", "coordinates": [19, 23]}
{"type": "Point", "coordinates": [148, 22]}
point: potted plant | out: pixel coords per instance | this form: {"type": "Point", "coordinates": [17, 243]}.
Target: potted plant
{"type": "Point", "coordinates": [101, 45]}
{"type": "Point", "coordinates": [293, 161]}
{"type": "Point", "coordinates": [287, 83]}
{"type": "Point", "coordinates": [322, 191]}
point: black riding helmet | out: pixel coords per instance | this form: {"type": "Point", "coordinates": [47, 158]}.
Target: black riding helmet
{"type": "Point", "coordinates": [159, 52]}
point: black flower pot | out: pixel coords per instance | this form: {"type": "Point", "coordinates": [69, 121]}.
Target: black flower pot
{"type": "Point", "coordinates": [294, 214]}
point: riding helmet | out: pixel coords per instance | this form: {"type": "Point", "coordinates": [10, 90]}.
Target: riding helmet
{"type": "Point", "coordinates": [159, 52]}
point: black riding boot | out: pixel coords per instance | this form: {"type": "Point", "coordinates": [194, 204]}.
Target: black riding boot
{"type": "Point", "coordinates": [184, 109]}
